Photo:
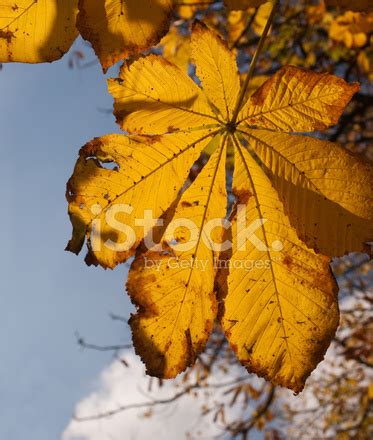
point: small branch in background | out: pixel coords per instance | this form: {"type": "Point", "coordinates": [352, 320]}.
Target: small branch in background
{"type": "Point", "coordinates": [245, 426]}
{"type": "Point", "coordinates": [140, 405]}
{"type": "Point", "coordinates": [83, 344]}
{"type": "Point", "coordinates": [254, 60]}
{"type": "Point", "coordinates": [115, 317]}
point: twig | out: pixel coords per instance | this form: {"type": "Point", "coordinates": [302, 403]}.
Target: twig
{"type": "Point", "coordinates": [137, 405]}
{"type": "Point", "coordinates": [250, 73]}
{"type": "Point", "coordinates": [118, 347]}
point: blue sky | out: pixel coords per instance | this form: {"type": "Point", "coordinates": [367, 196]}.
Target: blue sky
{"type": "Point", "coordinates": [47, 113]}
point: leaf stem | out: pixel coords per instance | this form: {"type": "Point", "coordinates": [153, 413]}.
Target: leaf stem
{"type": "Point", "coordinates": [253, 62]}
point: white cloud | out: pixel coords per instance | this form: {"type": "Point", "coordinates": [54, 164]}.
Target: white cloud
{"type": "Point", "coordinates": [119, 385]}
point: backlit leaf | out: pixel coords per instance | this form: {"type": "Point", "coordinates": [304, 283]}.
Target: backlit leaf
{"type": "Point", "coordinates": [114, 197]}
{"type": "Point", "coordinates": [298, 100]}
{"type": "Point", "coordinates": [280, 309]}
{"type": "Point", "coordinates": [35, 31]}
{"type": "Point", "coordinates": [326, 191]}
{"type": "Point", "coordinates": [216, 68]}
{"type": "Point", "coordinates": [117, 29]}
{"type": "Point", "coordinates": [239, 20]}
{"type": "Point", "coordinates": [176, 48]}
{"type": "Point", "coordinates": [153, 96]}
{"type": "Point", "coordinates": [352, 28]}
{"type": "Point", "coordinates": [187, 8]}
{"type": "Point", "coordinates": [174, 288]}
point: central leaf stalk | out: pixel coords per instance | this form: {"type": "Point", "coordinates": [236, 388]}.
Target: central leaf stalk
{"type": "Point", "coordinates": [231, 127]}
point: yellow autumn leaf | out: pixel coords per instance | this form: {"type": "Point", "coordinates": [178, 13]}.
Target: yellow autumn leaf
{"type": "Point", "coordinates": [177, 121]}
{"type": "Point", "coordinates": [261, 17]}
{"type": "Point", "coordinates": [153, 96]}
{"type": "Point", "coordinates": [280, 308]}
{"type": "Point", "coordinates": [118, 29]}
{"type": "Point", "coordinates": [175, 293]}
{"type": "Point", "coordinates": [187, 8]}
{"type": "Point", "coordinates": [112, 199]}
{"type": "Point", "coordinates": [176, 48]}
{"type": "Point", "coordinates": [211, 59]}
{"type": "Point", "coordinates": [298, 100]}
{"type": "Point", "coordinates": [316, 13]}
{"type": "Point", "coordinates": [352, 5]}
{"type": "Point", "coordinates": [365, 63]}
{"type": "Point", "coordinates": [236, 25]}
{"type": "Point", "coordinates": [238, 21]}
{"type": "Point", "coordinates": [36, 31]}
{"type": "Point", "coordinates": [312, 177]}
{"type": "Point", "coordinates": [351, 28]}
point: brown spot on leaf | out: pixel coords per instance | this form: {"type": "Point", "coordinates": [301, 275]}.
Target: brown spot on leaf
{"type": "Point", "coordinates": [242, 196]}
{"type": "Point", "coordinates": [7, 35]}
{"type": "Point", "coordinates": [287, 261]}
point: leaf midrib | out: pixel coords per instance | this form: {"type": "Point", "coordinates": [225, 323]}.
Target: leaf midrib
{"type": "Point", "coordinates": [237, 144]}
{"type": "Point", "coordinates": [172, 106]}
{"type": "Point", "coordinates": [151, 173]}
{"type": "Point", "coordinates": [283, 107]}
{"type": "Point", "coordinates": [222, 149]}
